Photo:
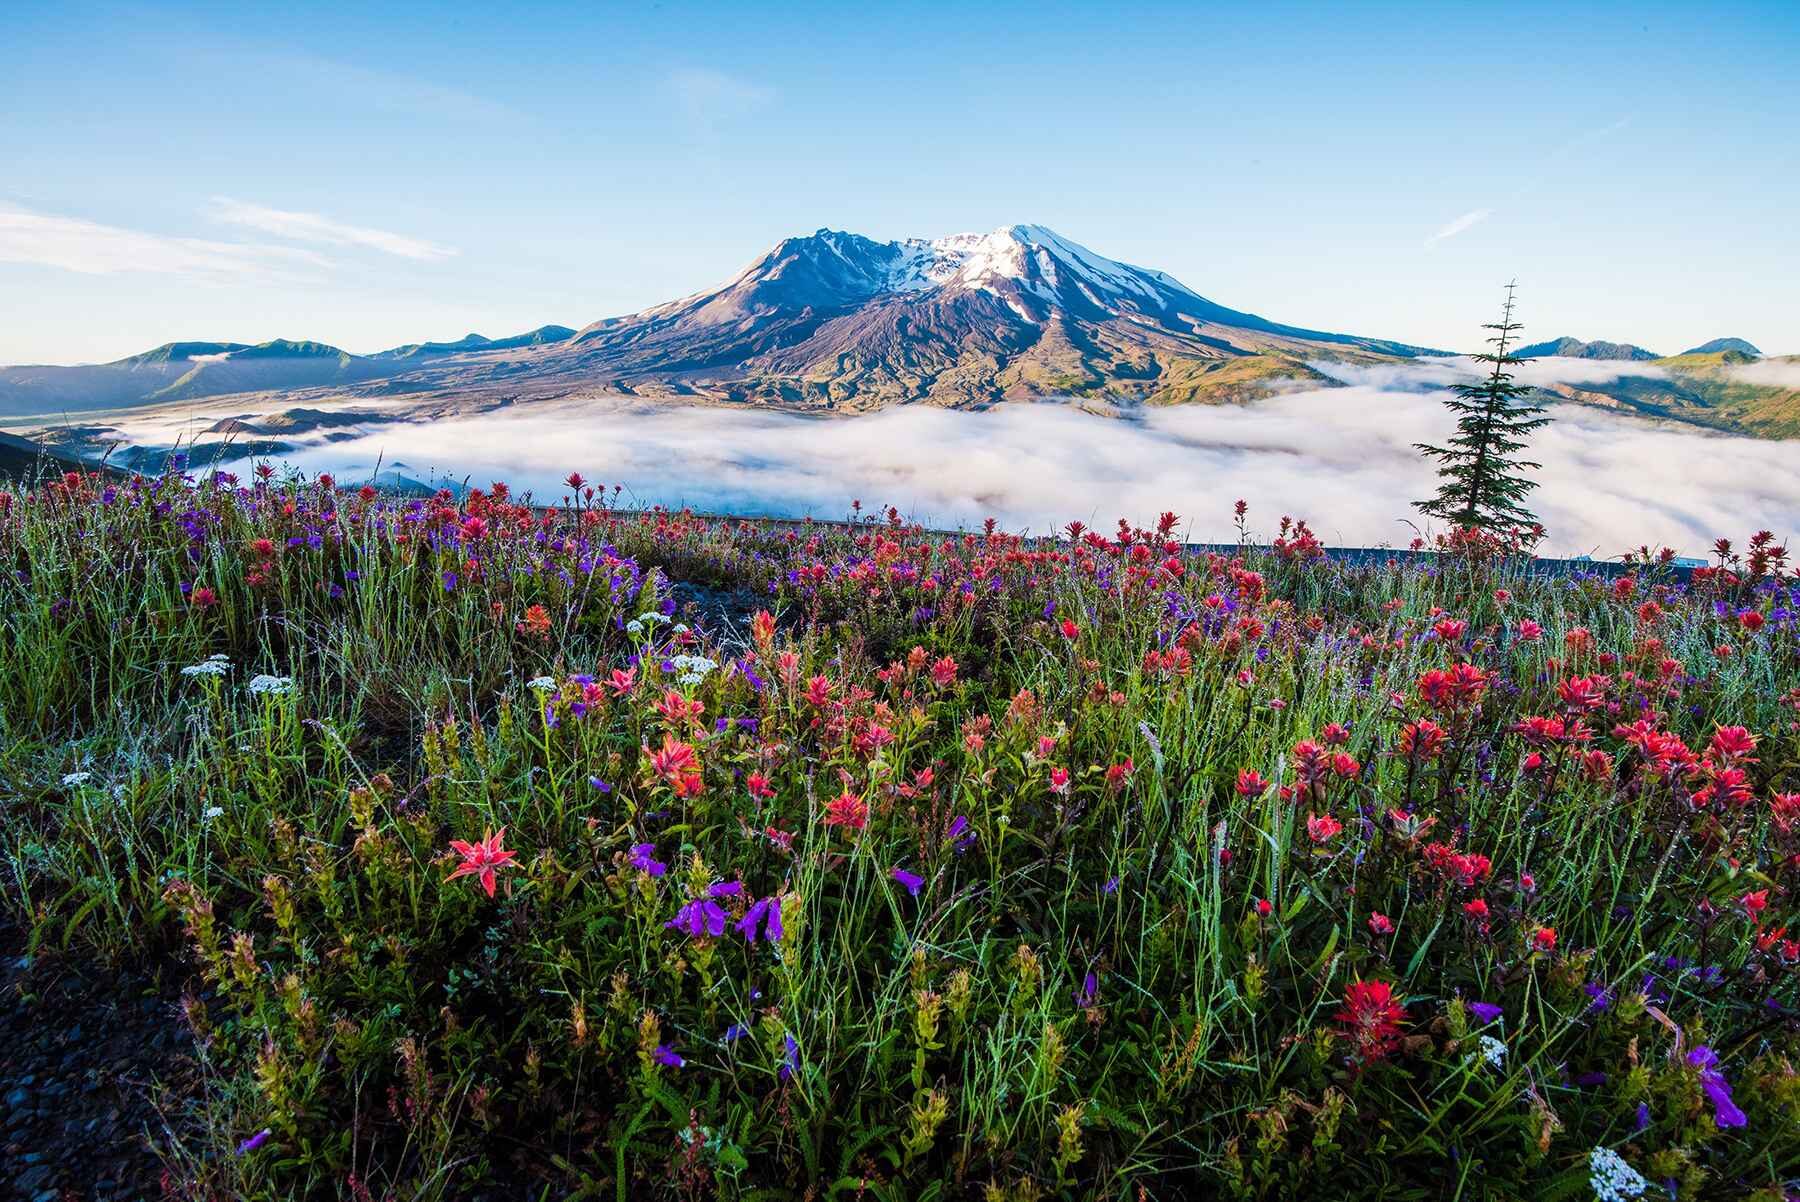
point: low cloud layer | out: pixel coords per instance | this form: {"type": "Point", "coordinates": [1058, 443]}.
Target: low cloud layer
{"type": "Point", "coordinates": [1771, 373]}
{"type": "Point", "coordinates": [1426, 375]}
{"type": "Point", "coordinates": [1343, 458]}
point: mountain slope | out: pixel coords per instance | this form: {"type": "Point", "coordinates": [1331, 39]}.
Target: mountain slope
{"type": "Point", "coordinates": [1574, 348]}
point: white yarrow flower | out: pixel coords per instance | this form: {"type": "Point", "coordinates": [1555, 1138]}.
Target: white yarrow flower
{"type": "Point", "coordinates": [542, 684]}
{"type": "Point", "coordinates": [211, 813]}
{"type": "Point", "coordinates": [271, 686]}
{"type": "Point", "coordinates": [75, 779]}
{"type": "Point", "coordinates": [1614, 1180]}
{"type": "Point", "coordinates": [1493, 1051]}
{"type": "Point", "coordinates": [210, 667]}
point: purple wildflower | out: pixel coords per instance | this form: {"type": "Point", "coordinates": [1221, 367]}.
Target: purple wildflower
{"type": "Point", "coordinates": [598, 785]}
{"type": "Point", "coordinates": [667, 1056]}
{"type": "Point", "coordinates": [254, 1142]}
{"type": "Point", "coordinates": [701, 916]}
{"type": "Point", "coordinates": [1643, 1118]}
{"type": "Point", "coordinates": [1089, 993]}
{"type": "Point", "coordinates": [913, 881]}
{"type": "Point", "coordinates": [725, 889]}
{"type": "Point", "coordinates": [1487, 1012]}
{"type": "Point", "coordinates": [643, 857]}
{"type": "Point", "coordinates": [1717, 1089]}
{"type": "Point", "coordinates": [790, 1059]}
{"type": "Point", "coordinates": [765, 912]}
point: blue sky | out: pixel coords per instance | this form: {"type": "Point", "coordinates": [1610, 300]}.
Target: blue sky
{"type": "Point", "coordinates": [381, 174]}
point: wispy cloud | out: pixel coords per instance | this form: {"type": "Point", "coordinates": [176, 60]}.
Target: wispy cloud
{"type": "Point", "coordinates": [1461, 225]}
{"type": "Point", "coordinates": [316, 227]}
{"type": "Point", "coordinates": [707, 95]}
{"type": "Point", "coordinates": [91, 248]}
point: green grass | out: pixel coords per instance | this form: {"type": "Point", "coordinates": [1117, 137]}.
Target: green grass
{"type": "Point", "coordinates": [398, 1031]}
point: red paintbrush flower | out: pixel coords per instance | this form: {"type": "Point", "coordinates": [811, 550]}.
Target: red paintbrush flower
{"type": "Point", "coordinates": [1371, 1019]}
{"type": "Point", "coordinates": [483, 860]}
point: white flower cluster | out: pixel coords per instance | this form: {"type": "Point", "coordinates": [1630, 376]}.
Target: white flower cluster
{"type": "Point", "coordinates": [212, 812]}
{"type": "Point", "coordinates": [212, 665]}
{"type": "Point", "coordinates": [1614, 1180]}
{"type": "Point", "coordinates": [76, 779]}
{"type": "Point", "coordinates": [692, 669]}
{"type": "Point", "coordinates": [649, 617]}
{"type": "Point", "coordinates": [1493, 1051]}
{"type": "Point", "coordinates": [543, 684]}
{"type": "Point", "coordinates": [270, 686]}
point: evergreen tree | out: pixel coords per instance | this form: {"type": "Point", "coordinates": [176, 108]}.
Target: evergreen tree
{"type": "Point", "coordinates": [1483, 485]}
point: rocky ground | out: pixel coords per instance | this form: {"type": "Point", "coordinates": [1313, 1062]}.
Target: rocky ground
{"type": "Point", "coordinates": [83, 1058]}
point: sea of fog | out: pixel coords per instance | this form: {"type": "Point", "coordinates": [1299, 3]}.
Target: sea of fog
{"type": "Point", "coordinates": [1342, 458]}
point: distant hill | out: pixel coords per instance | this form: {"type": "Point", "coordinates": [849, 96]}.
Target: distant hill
{"type": "Point", "coordinates": [180, 371]}
{"type": "Point", "coordinates": [541, 336]}
{"type": "Point", "coordinates": [1712, 388]}
{"type": "Point", "coordinates": [1574, 348]}
{"type": "Point", "coordinates": [1724, 344]}
{"type": "Point", "coordinates": [22, 459]}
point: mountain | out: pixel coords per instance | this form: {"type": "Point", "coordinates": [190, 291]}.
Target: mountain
{"type": "Point", "coordinates": [180, 371]}
{"type": "Point", "coordinates": [840, 321]}
{"type": "Point", "coordinates": [834, 321]}
{"type": "Point", "coordinates": [1725, 344]}
{"type": "Point", "coordinates": [541, 336]}
{"type": "Point", "coordinates": [1574, 348]}
{"type": "Point", "coordinates": [187, 371]}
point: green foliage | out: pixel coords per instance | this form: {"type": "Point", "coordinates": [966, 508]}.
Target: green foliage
{"type": "Point", "coordinates": [1483, 485]}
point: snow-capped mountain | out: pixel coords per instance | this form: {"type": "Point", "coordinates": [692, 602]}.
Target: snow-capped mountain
{"type": "Point", "coordinates": [843, 321]}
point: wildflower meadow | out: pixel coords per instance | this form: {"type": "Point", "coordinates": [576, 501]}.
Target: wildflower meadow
{"type": "Point", "coordinates": [513, 848]}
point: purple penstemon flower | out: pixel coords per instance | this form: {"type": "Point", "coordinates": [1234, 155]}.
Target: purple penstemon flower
{"type": "Point", "coordinates": [790, 1059]}
{"type": "Point", "coordinates": [701, 916]}
{"type": "Point", "coordinates": [1716, 1088]}
{"type": "Point", "coordinates": [1089, 993]}
{"type": "Point", "coordinates": [765, 913]}
{"type": "Point", "coordinates": [253, 1143]}
{"type": "Point", "coordinates": [667, 1056]}
{"type": "Point", "coordinates": [643, 857]}
{"type": "Point", "coordinates": [1487, 1012]}
{"type": "Point", "coordinates": [725, 889]}
{"type": "Point", "coordinates": [598, 785]}
{"type": "Point", "coordinates": [912, 880]}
